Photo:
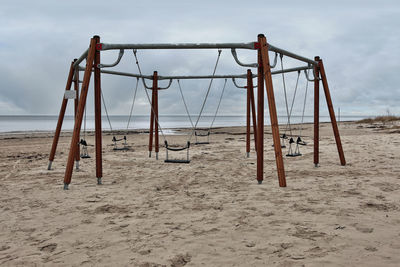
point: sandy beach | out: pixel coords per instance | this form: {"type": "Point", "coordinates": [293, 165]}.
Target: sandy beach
{"type": "Point", "coordinates": [210, 212]}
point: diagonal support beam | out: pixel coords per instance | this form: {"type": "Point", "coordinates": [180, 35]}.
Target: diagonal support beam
{"type": "Point", "coordinates": [61, 117]}
{"type": "Point", "coordinates": [331, 112]}
{"type": "Point", "coordinates": [79, 115]}
{"type": "Point", "coordinates": [272, 109]}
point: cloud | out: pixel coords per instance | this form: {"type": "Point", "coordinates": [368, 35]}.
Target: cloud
{"type": "Point", "coordinates": [358, 41]}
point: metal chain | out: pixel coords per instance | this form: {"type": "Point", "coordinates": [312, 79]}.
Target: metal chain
{"type": "Point", "coordinates": [304, 104]}
{"type": "Point", "coordinates": [147, 95]}
{"type": "Point", "coordinates": [286, 101]}
{"type": "Point", "coordinates": [133, 103]}
{"type": "Point", "coordinates": [219, 103]}
{"type": "Point", "coordinates": [105, 108]}
{"type": "Point", "coordinates": [184, 102]}
{"type": "Point", "coordinates": [205, 98]}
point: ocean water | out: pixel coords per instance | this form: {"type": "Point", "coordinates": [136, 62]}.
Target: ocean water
{"type": "Point", "coordinates": [21, 123]}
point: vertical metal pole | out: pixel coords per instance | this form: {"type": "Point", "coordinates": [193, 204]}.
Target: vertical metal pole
{"type": "Point", "coordinates": [331, 113]}
{"type": "Point", "coordinates": [316, 114]}
{"type": "Point", "coordinates": [260, 118]}
{"type": "Point", "coordinates": [253, 112]}
{"type": "Point", "coordinates": [76, 88]}
{"type": "Point", "coordinates": [248, 114]}
{"type": "Point", "coordinates": [61, 117]}
{"type": "Point", "coordinates": [151, 120]}
{"type": "Point", "coordinates": [97, 113]}
{"type": "Point", "coordinates": [272, 109]}
{"type": "Point", "coordinates": [156, 120]}
{"type": "Point", "coordinates": [79, 115]}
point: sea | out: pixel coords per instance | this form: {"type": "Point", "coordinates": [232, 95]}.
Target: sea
{"type": "Point", "coordinates": [48, 123]}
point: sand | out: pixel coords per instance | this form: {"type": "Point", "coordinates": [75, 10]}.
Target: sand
{"type": "Point", "coordinates": [210, 212]}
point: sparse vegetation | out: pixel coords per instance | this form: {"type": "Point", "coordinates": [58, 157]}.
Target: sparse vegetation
{"type": "Point", "coordinates": [380, 119]}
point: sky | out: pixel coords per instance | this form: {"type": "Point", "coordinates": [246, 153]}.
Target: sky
{"type": "Point", "coordinates": [358, 41]}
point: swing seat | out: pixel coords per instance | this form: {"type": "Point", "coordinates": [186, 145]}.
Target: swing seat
{"type": "Point", "coordinates": [284, 136]}
{"type": "Point", "coordinates": [202, 143]}
{"type": "Point", "coordinates": [176, 161]}
{"type": "Point", "coordinates": [84, 154]}
{"type": "Point", "coordinates": [124, 148]}
{"type": "Point", "coordinates": [207, 134]}
{"type": "Point", "coordinates": [300, 142]}
{"type": "Point", "coordinates": [202, 134]}
{"type": "Point", "coordinates": [175, 149]}
{"type": "Point", "coordinates": [293, 155]}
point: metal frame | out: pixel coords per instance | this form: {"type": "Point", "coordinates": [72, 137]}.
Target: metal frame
{"type": "Point", "coordinates": [264, 76]}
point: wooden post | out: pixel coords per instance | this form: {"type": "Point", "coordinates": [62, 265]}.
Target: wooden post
{"type": "Point", "coordinates": [331, 113]}
{"type": "Point", "coordinates": [151, 120]}
{"type": "Point", "coordinates": [253, 112]}
{"type": "Point", "coordinates": [260, 117]}
{"type": "Point", "coordinates": [61, 117]}
{"type": "Point", "coordinates": [76, 88]}
{"type": "Point", "coordinates": [79, 115]}
{"type": "Point", "coordinates": [316, 114]}
{"type": "Point", "coordinates": [272, 109]}
{"type": "Point", "coordinates": [248, 115]}
{"type": "Point", "coordinates": [155, 89]}
{"type": "Point", "coordinates": [97, 113]}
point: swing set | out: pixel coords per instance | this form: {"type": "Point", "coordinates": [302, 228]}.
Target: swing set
{"type": "Point", "coordinates": [264, 77]}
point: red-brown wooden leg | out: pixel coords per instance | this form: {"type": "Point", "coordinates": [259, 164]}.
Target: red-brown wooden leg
{"type": "Point", "coordinates": [156, 120]}
{"type": "Point", "coordinates": [79, 115]}
{"type": "Point", "coordinates": [151, 122]}
{"type": "Point", "coordinates": [253, 112]}
{"type": "Point", "coordinates": [61, 117]}
{"type": "Point", "coordinates": [272, 109]}
{"type": "Point", "coordinates": [316, 115]}
{"type": "Point", "coordinates": [97, 114]}
{"type": "Point", "coordinates": [248, 116]}
{"type": "Point", "coordinates": [331, 113]}
{"type": "Point", "coordinates": [76, 87]}
{"type": "Point", "coordinates": [260, 118]}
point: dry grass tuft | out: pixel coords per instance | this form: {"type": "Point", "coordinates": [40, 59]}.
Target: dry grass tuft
{"type": "Point", "coordinates": [380, 119]}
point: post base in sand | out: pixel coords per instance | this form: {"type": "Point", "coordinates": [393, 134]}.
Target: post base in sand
{"type": "Point", "coordinates": [156, 155]}
{"type": "Point", "coordinates": [248, 154]}
{"type": "Point", "coordinates": [77, 165]}
{"type": "Point", "coordinates": [149, 154]}
{"type": "Point", "coordinates": [99, 181]}
{"type": "Point", "coordinates": [316, 165]}
{"type": "Point", "coordinates": [259, 181]}
{"type": "Point", "coordinates": [66, 186]}
{"type": "Point", "coordinates": [49, 167]}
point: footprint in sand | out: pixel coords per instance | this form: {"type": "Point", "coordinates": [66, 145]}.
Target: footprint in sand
{"type": "Point", "coordinates": [48, 248]}
{"type": "Point", "coordinates": [363, 229]}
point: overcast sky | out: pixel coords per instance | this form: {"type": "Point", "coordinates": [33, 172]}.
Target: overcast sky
{"type": "Point", "coordinates": [359, 42]}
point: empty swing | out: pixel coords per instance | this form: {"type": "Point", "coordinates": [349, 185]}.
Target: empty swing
{"type": "Point", "coordinates": [116, 141]}
{"type": "Point", "coordinates": [82, 142]}
{"type": "Point", "coordinates": [293, 152]}
{"type": "Point", "coordinates": [202, 133]}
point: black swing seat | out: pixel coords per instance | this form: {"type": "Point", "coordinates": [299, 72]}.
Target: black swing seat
{"type": "Point", "coordinates": [293, 155]}
{"type": "Point", "coordinates": [299, 141]}
{"type": "Point", "coordinates": [296, 153]}
{"type": "Point", "coordinates": [84, 154]}
{"type": "Point", "coordinates": [202, 134]}
{"type": "Point", "coordinates": [207, 134]}
{"type": "Point", "coordinates": [116, 148]}
{"type": "Point", "coordinates": [177, 161]}
{"type": "Point", "coordinates": [167, 147]}
{"type": "Point", "coordinates": [83, 142]}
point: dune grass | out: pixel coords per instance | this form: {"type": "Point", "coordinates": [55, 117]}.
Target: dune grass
{"type": "Point", "coordinates": [380, 119]}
